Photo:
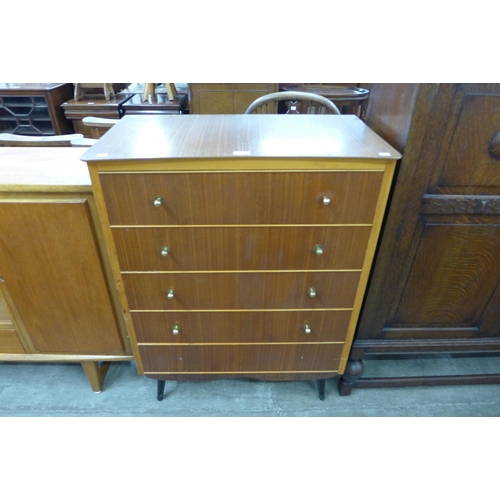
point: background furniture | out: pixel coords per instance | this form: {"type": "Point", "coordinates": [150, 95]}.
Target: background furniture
{"type": "Point", "coordinates": [297, 103]}
{"type": "Point", "coordinates": [239, 249]}
{"type": "Point", "coordinates": [100, 108]}
{"type": "Point", "coordinates": [160, 104]}
{"type": "Point", "coordinates": [57, 299]}
{"type": "Point", "coordinates": [435, 286]}
{"type": "Point", "coordinates": [349, 99]}
{"type": "Point", "coordinates": [225, 98]}
{"type": "Point", "coordinates": [34, 108]}
{"type": "Point", "coordinates": [39, 141]}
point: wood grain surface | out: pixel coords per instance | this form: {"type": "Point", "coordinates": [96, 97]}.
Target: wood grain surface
{"type": "Point", "coordinates": [240, 248]}
{"type": "Point", "coordinates": [227, 291]}
{"type": "Point", "coordinates": [237, 198]}
{"type": "Point", "coordinates": [241, 327]}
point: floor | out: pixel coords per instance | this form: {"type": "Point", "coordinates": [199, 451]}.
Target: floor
{"type": "Point", "coordinates": [56, 390]}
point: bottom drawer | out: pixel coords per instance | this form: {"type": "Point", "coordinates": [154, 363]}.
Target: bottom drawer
{"type": "Point", "coordinates": [242, 359]}
{"type": "Point", "coordinates": [10, 343]}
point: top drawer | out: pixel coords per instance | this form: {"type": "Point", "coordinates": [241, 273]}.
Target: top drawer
{"type": "Point", "coordinates": [241, 197]}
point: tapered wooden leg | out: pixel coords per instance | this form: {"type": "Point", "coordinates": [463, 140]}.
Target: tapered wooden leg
{"type": "Point", "coordinates": [321, 388]}
{"type": "Point", "coordinates": [95, 373]}
{"type": "Point", "coordinates": [161, 389]}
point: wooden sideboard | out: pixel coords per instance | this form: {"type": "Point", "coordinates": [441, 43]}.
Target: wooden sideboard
{"type": "Point", "coordinates": [435, 286]}
{"type": "Point", "coordinates": [225, 98]}
{"type": "Point", "coordinates": [34, 108]}
{"type": "Point", "coordinates": [57, 300]}
{"type": "Point", "coordinates": [241, 244]}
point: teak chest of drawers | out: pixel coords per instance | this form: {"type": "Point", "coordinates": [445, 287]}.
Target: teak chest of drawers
{"type": "Point", "coordinates": [241, 244]}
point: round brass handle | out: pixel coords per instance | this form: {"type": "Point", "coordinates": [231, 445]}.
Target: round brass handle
{"type": "Point", "coordinates": [318, 249]}
{"type": "Point", "coordinates": [176, 329]}
{"type": "Point", "coordinates": [170, 293]}
{"type": "Point", "coordinates": [307, 328]}
{"type": "Point", "coordinates": [312, 292]}
{"type": "Point", "coordinates": [164, 251]}
{"type": "Point", "coordinates": [158, 201]}
{"type": "Point", "coordinates": [326, 200]}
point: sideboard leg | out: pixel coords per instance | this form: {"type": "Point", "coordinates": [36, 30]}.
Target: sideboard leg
{"type": "Point", "coordinates": [321, 389]}
{"type": "Point", "coordinates": [353, 371]}
{"type": "Point", "coordinates": [95, 373]}
{"type": "Point", "coordinates": [161, 389]}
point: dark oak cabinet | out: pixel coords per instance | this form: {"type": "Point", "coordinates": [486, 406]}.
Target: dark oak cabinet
{"type": "Point", "coordinates": [435, 284]}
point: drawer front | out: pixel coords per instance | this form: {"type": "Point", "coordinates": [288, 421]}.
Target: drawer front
{"type": "Point", "coordinates": [241, 198]}
{"type": "Point", "coordinates": [221, 291]}
{"type": "Point", "coordinates": [10, 343]}
{"type": "Point", "coordinates": [241, 248]}
{"type": "Point", "coordinates": [241, 358]}
{"type": "Point", "coordinates": [240, 327]}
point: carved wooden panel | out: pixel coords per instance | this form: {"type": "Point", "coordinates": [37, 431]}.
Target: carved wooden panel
{"type": "Point", "coordinates": [474, 154]}
{"type": "Point", "coordinates": [454, 275]}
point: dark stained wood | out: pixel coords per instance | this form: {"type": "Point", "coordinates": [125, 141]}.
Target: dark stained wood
{"type": "Point", "coordinates": [240, 248]}
{"type": "Point", "coordinates": [366, 383]}
{"type": "Point", "coordinates": [64, 301]}
{"type": "Point", "coordinates": [242, 358]}
{"type": "Point", "coordinates": [160, 104]}
{"type": "Point", "coordinates": [220, 136]}
{"type": "Point", "coordinates": [435, 285]}
{"type": "Point", "coordinates": [250, 198]}
{"type": "Point", "coordinates": [241, 327]}
{"type": "Point", "coordinates": [269, 290]}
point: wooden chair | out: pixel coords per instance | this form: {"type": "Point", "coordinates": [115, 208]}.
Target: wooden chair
{"type": "Point", "coordinates": [99, 126]}
{"type": "Point", "coordinates": [74, 140]}
{"type": "Point", "coordinates": [299, 103]}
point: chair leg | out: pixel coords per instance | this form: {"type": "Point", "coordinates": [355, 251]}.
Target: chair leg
{"type": "Point", "coordinates": [161, 389]}
{"type": "Point", "coordinates": [321, 388]}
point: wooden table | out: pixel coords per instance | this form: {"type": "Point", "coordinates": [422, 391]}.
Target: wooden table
{"type": "Point", "coordinates": [241, 244]}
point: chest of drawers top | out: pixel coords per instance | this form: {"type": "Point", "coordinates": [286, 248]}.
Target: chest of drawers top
{"type": "Point", "coordinates": [239, 136]}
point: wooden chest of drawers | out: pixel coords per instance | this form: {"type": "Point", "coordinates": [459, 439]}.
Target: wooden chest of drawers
{"type": "Point", "coordinates": [241, 245]}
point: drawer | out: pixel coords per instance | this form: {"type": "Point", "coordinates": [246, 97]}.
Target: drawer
{"type": "Point", "coordinates": [241, 248]}
{"type": "Point", "coordinates": [10, 343]}
{"type": "Point", "coordinates": [241, 327]}
{"type": "Point", "coordinates": [222, 291]}
{"type": "Point", "coordinates": [241, 198]}
{"type": "Point", "coordinates": [241, 358]}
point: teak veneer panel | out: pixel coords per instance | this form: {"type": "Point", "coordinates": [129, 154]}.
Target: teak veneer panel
{"type": "Point", "coordinates": [241, 327]}
{"type": "Point", "coordinates": [66, 289]}
{"type": "Point", "coordinates": [242, 198]}
{"type": "Point", "coordinates": [250, 359]}
{"type": "Point", "coordinates": [240, 248]}
{"type": "Point", "coordinates": [255, 290]}
{"type": "Point", "coordinates": [10, 343]}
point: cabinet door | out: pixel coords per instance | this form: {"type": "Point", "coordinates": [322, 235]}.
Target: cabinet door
{"type": "Point", "coordinates": [50, 263]}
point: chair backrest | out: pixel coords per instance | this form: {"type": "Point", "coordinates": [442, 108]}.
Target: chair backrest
{"type": "Point", "coordinates": [300, 103]}
{"type": "Point", "coordinates": [39, 141]}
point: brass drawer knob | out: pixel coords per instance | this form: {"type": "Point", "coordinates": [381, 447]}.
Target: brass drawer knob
{"type": "Point", "coordinates": [176, 329]}
{"type": "Point", "coordinates": [164, 251]}
{"type": "Point", "coordinates": [326, 200]}
{"type": "Point", "coordinates": [307, 328]}
{"type": "Point", "coordinates": [312, 292]}
{"type": "Point", "coordinates": [318, 249]}
{"type": "Point", "coordinates": [170, 293]}
{"type": "Point", "coordinates": [158, 201]}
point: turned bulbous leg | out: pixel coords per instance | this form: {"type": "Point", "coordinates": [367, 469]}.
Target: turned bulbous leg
{"type": "Point", "coordinates": [353, 371]}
